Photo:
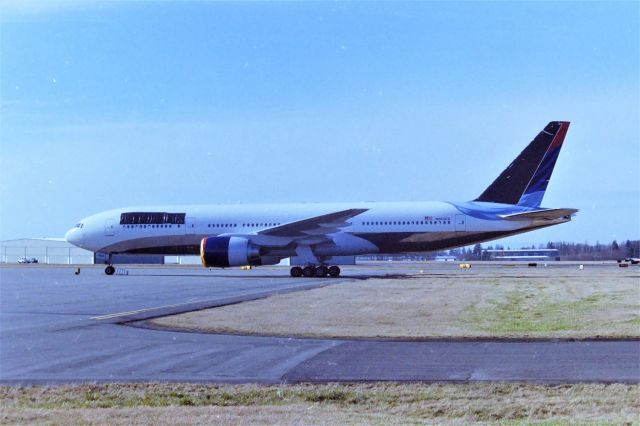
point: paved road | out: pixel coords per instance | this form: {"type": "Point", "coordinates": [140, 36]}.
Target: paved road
{"type": "Point", "coordinates": [57, 327]}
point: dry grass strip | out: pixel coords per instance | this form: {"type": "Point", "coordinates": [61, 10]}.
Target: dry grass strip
{"type": "Point", "coordinates": [385, 403]}
{"type": "Point", "coordinates": [490, 302]}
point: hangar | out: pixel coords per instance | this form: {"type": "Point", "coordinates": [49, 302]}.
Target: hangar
{"type": "Point", "coordinates": [59, 251]}
{"type": "Point", "coordinates": [45, 250]}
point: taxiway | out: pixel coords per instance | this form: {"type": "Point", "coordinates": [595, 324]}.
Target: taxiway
{"type": "Point", "coordinates": [58, 327]}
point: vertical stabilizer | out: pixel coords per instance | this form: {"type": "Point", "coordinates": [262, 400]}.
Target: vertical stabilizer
{"type": "Point", "coordinates": [525, 180]}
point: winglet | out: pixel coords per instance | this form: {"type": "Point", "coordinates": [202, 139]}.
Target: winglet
{"type": "Point", "coordinates": [525, 180]}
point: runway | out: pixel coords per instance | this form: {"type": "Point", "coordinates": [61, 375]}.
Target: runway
{"type": "Point", "coordinates": [58, 327]}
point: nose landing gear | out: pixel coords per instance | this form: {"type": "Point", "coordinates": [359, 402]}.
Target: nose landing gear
{"type": "Point", "coordinates": [310, 271]}
{"type": "Point", "coordinates": [109, 270]}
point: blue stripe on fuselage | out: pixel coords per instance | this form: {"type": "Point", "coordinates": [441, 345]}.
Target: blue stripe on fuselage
{"type": "Point", "coordinates": [489, 211]}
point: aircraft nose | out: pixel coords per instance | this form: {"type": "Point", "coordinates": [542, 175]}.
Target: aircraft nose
{"type": "Point", "coordinates": [73, 236]}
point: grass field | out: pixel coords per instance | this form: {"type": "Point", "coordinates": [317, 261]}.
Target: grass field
{"type": "Point", "coordinates": [385, 403]}
{"type": "Point", "coordinates": [559, 301]}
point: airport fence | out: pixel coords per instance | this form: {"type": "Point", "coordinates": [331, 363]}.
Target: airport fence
{"type": "Point", "coordinates": [46, 254]}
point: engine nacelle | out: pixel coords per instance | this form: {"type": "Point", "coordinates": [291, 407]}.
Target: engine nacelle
{"type": "Point", "coordinates": [222, 252]}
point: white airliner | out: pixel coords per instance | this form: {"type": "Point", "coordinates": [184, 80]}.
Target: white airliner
{"type": "Point", "coordinates": [313, 234]}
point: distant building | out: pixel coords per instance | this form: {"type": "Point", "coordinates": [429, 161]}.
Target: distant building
{"type": "Point", "coordinates": [522, 254]}
{"type": "Point", "coordinates": [59, 252]}
{"type": "Point", "coordinates": [130, 259]}
{"type": "Point", "coordinates": [334, 260]}
{"type": "Point", "coordinates": [392, 258]}
{"type": "Point", "coordinates": [44, 250]}
{"type": "Point", "coordinates": [445, 258]}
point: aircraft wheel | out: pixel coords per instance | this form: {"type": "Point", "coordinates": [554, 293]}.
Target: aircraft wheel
{"type": "Point", "coordinates": [334, 271]}
{"type": "Point", "coordinates": [309, 271]}
{"type": "Point", "coordinates": [321, 271]}
{"type": "Point", "coordinates": [109, 270]}
{"type": "Point", "coordinates": [296, 271]}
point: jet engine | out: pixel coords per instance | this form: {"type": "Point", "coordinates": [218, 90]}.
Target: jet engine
{"type": "Point", "coordinates": [222, 252]}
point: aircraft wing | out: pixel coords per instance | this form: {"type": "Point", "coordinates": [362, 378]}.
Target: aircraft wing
{"type": "Point", "coordinates": [313, 226]}
{"type": "Point", "coordinates": [546, 214]}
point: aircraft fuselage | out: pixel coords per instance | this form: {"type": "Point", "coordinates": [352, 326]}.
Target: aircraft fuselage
{"type": "Point", "coordinates": [382, 228]}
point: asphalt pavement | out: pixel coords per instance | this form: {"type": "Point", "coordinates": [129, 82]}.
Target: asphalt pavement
{"type": "Point", "coordinates": [59, 327]}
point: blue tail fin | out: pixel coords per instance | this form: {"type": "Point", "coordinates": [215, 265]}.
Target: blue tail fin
{"type": "Point", "coordinates": [525, 181]}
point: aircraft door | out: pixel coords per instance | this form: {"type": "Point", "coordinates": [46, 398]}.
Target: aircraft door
{"type": "Point", "coordinates": [461, 222]}
{"type": "Point", "coordinates": [110, 227]}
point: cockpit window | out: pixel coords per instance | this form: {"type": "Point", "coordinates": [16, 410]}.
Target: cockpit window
{"type": "Point", "coordinates": [80, 225]}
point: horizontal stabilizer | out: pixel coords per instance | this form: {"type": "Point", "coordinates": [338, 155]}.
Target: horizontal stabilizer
{"type": "Point", "coordinates": [546, 214]}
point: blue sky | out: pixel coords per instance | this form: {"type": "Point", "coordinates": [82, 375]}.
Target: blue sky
{"type": "Point", "coordinates": [109, 104]}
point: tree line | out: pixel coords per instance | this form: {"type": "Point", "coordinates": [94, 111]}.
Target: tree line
{"type": "Point", "coordinates": [567, 251]}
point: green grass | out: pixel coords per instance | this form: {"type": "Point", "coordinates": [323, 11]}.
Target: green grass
{"type": "Point", "coordinates": [634, 321]}
{"type": "Point", "coordinates": [524, 312]}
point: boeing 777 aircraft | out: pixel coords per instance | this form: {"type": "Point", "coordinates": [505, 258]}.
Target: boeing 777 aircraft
{"type": "Point", "coordinates": [313, 234]}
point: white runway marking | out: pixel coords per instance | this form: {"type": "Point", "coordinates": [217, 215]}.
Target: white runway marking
{"type": "Point", "coordinates": [122, 314]}
{"type": "Point", "coordinates": [249, 293]}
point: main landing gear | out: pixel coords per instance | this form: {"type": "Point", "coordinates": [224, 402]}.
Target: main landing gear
{"type": "Point", "coordinates": [310, 271]}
